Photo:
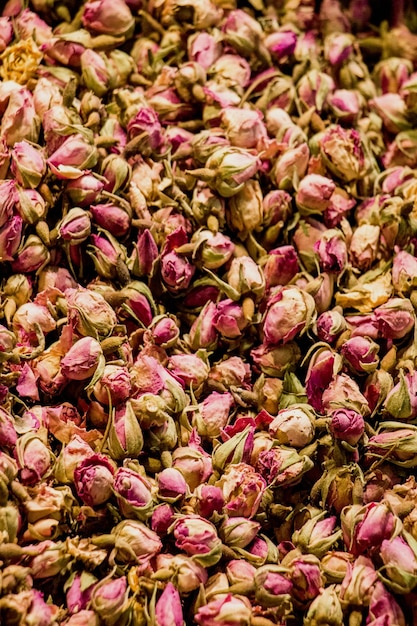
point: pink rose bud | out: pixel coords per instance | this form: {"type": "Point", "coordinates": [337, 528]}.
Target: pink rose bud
{"type": "Point", "coordinates": [289, 313]}
{"type": "Point", "coordinates": [281, 44]}
{"type": "Point", "coordinates": [168, 609]}
{"type": "Point", "coordinates": [28, 164]}
{"type": "Point", "coordinates": [108, 17]}
{"type": "Point", "coordinates": [229, 319]}
{"type": "Point", "coordinates": [227, 609]}
{"type": "Point", "coordinates": [343, 153]}
{"type": "Point", "coordinates": [345, 104]}
{"type": "Point", "coordinates": [281, 266]}
{"type": "Point", "coordinates": [146, 254]}
{"type": "Point", "coordinates": [242, 489]}
{"type": "Point", "coordinates": [294, 426]}
{"type": "Point", "coordinates": [93, 479]}
{"type": "Point", "coordinates": [314, 193]}
{"type": "Point", "coordinates": [404, 271]}
{"type": "Point", "coordinates": [19, 120]}
{"type": "Point", "coordinates": [146, 131]}
{"type": "Point", "coordinates": [177, 272]}
{"type": "Point", "coordinates": [31, 256]}
{"type": "Point", "coordinates": [29, 24]}
{"type": "Point", "coordinates": [272, 586]}
{"type": "Point", "coordinates": [197, 537]}
{"type": "Point", "coordinates": [75, 227]}
{"type": "Point", "coordinates": [85, 190]}
{"type": "Point", "coordinates": [227, 170]}
{"type": "Point", "coordinates": [31, 206]}
{"type": "Point", "coordinates": [83, 618]}
{"type": "Point", "coordinates": [291, 167]}
{"type": "Point", "coordinates": [399, 556]}
{"type": "Point", "coordinates": [325, 610]}
{"type": "Point", "coordinates": [34, 458]}
{"type": "Point", "coordinates": [125, 435]}
{"type": "Point", "coordinates": [133, 493]}
{"type": "Point", "coordinates": [209, 500]}
{"type": "Point", "coordinates": [383, 608]}
{"type": "Point", "coordinates": [332, 251]}
{"type": "Point", "coordinates": [188, 369]}
{"type": "Point", "coordinates": [366, 527]}
{"type": "Point", "coordinates": [78, 596]}
{"type": "Point", "coordinates": [244, 127]}
{"type": "Point", "coordinates": [306, 576]}
{"type": "Point", "coordinates": [338, 47]}
{"type": "Point", "coordinates": [138, 543]}
{"type": "Point", "coordinates": [213, 414]}
{"type": "Point", "coordinates": [359, 582]}
{"type": "Point", "coordinates": [6, 32]}
{"type": "Point", "coordinates": [114, 384]}
{"type": "Point", "coordinates": [231, 372]}
{"type": "Point", "coordinates": [89, 314]}
{"type": "Point", "coordinates": [203, 333]}
{"type": "Point", "coordinates": [74, 155]}
{"type": "Point", "coordinates": [8, 434]}
{"type": "Point", "coordinates": [245, 277]}
{"type": "Point", "coordinates": [238, 532]}
{"type": "Point", "coordinates": [282, 467]}
{"type": "Point", "coordinates": [239, 570]}
{"type": "Point", "coordinates": [10, 236]}
{"type": "Point", "coordinates": [82, 359]}
{"type": "Point", "coordinates": [109, 599]}
{"type": "Point", "coordinates": [376, 389]}
{"type": "Point", "coordinates": [75, 451]}
{"type": "Point", "coordinates": [9, 198]}
{"type": "Point", "coordinates": [194, 464]}
{"type": "Point", "coordinates": [203, 48]}
{"type": "Point", "coordinates": [314, 87]}
{"type": "Point", "coordinates": [360, 354]}
{"type": "Point", "coordinates": [401, 401]}
{"type": "Point", "coordinates": [392, 109]}
{"type": "Point", "coordinates": [317, 535]}
{"type": "Point", "coordinates": [171, 485]}
{"type": "Point", "coordinates": [347, 425]}
{"type": "Point", "coordinates": [395, 318]}
{"type": "Point", "coordinates": [330, 325]}
{"type": "Point", "coordinates": [162, 518]}
{"type": "Point", "coordinates": [108, 256]}
{"type": "Point", "coordinates": [393, 73]}
{"type": "Point", "coordinates": [342, 391]}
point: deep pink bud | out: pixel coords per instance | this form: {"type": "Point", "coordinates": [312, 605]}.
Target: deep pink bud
{"type": "Point", "coordinates": [168, 609]}
{"type": "Point", "coordinates": [281, 266]}
{"type": "Point", "coordinates": [347, 425]}
{"type": "Point", "coordinates": [93, 479]}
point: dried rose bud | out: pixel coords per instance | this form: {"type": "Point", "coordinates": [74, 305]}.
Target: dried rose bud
{"type": "Point", "coordinates": [164, 331]}
{"type": "Point", "coordinates": [82, 359]}
{"type": "Point", "coordinates": [34, 458]}
{"type": "Point", "coordinates": [114, 385]}
{"type": "Point", "coordinates": [28, 164]}
{"type": "Point", "coordinates": [51, 558]}
{"type": "Point", "coordinates": [244, 127]}
{"type": "Point", "coordinates": [273, 588]}
{"type": "Point", "coordinates": [168, 609]}
{"type": "Point", "coordinates": [227, 609]}
{"type": "Point", "coordinates": [108, 17]}
{"type": "Point", "coordinates": [31, 255]}
{"type": "Point", "coordinates": [93, 479]}
{"type": "Point", "coordinates": [238, 532]}
{"type": "Point", "coordinates": [19, 120]}
{"type": "Point", "coordinates": [399, 555]}
{"type": "Point", "coordinates": [338, 46]}
{"type": "Point", "coordinates": [364, 245]}
{"type": "Point", "coordinates": [6, 32]}
{"type": "Point", "coordinates": [209, 500]}
{"type": "Point", "coordinates": [10, 236]}
{"type": "Point", "coordinates": [360, 354]}
{"type": "Point", "coordinates": [392, 109]}
{"type": "Point", "coordinates": [242, 489]}
{"type": "Point", "coordinates": [198, 538]}
{"type": "Point", "coordinates": [8, 433]}
{"type": "Point", "coordinates": [212, 414]}
{"type": "Point", "coordinates": [133, 493]}
{"type": "Point", "coordinates": [401, 400]}
{"type": "Point", "coordinates": [358, 584]}
{"type": "Point", "coordinates": [281, 266]}
{"type": "Point", "coordinates": [79, 594]}
{"type": "Point", "coordinates": [89, 314]}
{"type": "Point", "coordinates": [342, 152]}
{"type": "Point", "coordinates": [203, 48]}
{"type": "Point", "coordinates": [398, 445]}
{"type": "Point", "coordinates": [332, 251]}
{"type": "Point", "coordinates": [113, 218]}
{"type": "Point", "coordinates": [72, 157]}
{"type": "Point", "coordinates": [84, 190]}
{"type": "Point", "coordinates": [325, 610]}
{"type": "Point", "coordinates": [345, 104]}
{"type": "Point", "coordinates": [162, 518]}
{"type": "Point", "coordinates": [108, 256]}
{"type": "Point", "coordinates": [183, 570]}
{"type": "Point", "coordinates": [229, 319]}
{"type": "Point", "coordinates": [343, 392]}
{"type": "Point", "coordinates": [289, 313]}
{"type": "Point", "coordinates": [194, 464]}
{"type": "Point", "coordinates": [291, 167]}
{"type": "Point", "coordinates": [109, 599]}
{"type": "Point", "coordinates": [293, 426]}
{"type": "Point", "coordinates": [347, 425]}
{"type": "Point", "coordinates": [75, 451]}
{"type": "Point", "coordinates": [171, 485]}
{"type": "Point", "coordinates": [317, 535]}
{"type": "Point", "coordinates": [404, 270]}
{"type": "Point", "coordinates": [135, 542]}
{"type": "Point", "coordinates": [384, 608]}
{"type": "Point", "coordinates": [330, 325]}
{"type": "Point", "coordinates": [395, 318]}
{"type": "Point", "coordinates": [366, 527]}
{"type": "Point", "coordinates": [125, 434]}
{"type": "Point", "coordinates": [203, 334]}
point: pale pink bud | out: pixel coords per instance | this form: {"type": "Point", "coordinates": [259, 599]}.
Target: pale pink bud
{"type": "Point", "coordinates": [332, 251]}
{"type": "Point", "coordinates": [83, 191]}
{"type": "Point", "coordinates": [404, 272]}
{"type": "Point", "coordinates": [227, 609]}
{"type": "Point", "coordinates": [204, 48]}
{"type": "Point", "coordinates": [10, 235]}
{"type": "Point", "coordinates": [108, 17]}
{"type": "Point", "coordinates": [6, 32]}
{"type": "Point", "coordinates": [358, 583]}
{"type": "Point", "coordinates": [244, 127]}
{"type": "Point", "coordinates": [19, 120]}
{"type": "Point", "coordinates": [400, 563]}
{"type": "Point", "coordinates": [395, 319]}
{"type": "Point", "coordinates": [238, 532]}
{"type": "Point", "coordinates": [34, 458]}
{"type": "Point", "coordinates": [75, 227]}
{"type": "Point", "coordinates": [78, 596]}
{"type": "Point", "coordinates": [360, 354]}
{"type": "Point", "coordinates": [29, 24]}
{"type": "Point", "coordinates": [330, 325]}
{"type": "Point", "coordinates": [343, 152]}
{"type": "Point", "coordinates": [93, 479]}
{"type": "Point", "coordinates": [289, 313]}
{"type": "Point", "coordinates": [8, 199]}
{"type": "Point", "coordinates": [32, 255]}
{"type": "Point", "coordinates": [74, 155]}
{"type": "Point", "coordinates": [109, 599]}
{"type": "Point", "coordinates": [198, 537]}
{"type": "Point", "coordinates": [314, 87]}
{"type": "Point", "coordinates": [82, 359]}
{"type": "Point", "coordinates": [314, 193]}
{"type": "Point", "coordinates": [171, 484]}
{"type": "Point", "coordinates": [392, 110]}
{"type": "Point", "coordinates": [168, 609]}
{"type": "Point", "coordinates": [229, 319]}
{"type": "Point", "coordinates": [242, 490]}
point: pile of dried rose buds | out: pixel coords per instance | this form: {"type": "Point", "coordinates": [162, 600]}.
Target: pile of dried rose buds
{"type": "Point", "coordinates": [208, 340]}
